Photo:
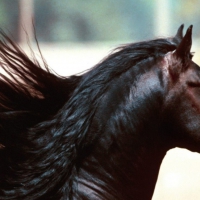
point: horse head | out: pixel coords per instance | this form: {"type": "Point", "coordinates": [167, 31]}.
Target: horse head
{"type": "Point", "coordinates": [183, 98]}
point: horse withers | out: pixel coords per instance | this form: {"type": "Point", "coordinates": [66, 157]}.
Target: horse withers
{"type": "Point", "coordinates": [101, 135]}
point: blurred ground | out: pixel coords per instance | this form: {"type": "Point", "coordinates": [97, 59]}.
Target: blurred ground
{"type": "Point", "coordinates": [179, 177]}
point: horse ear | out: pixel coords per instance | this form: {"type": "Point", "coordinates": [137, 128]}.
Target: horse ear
{"type": "Point", "coordinates": [182, 53]}
{"type": "Point", "coordinates": [183, 49]}
{"type": "Point", "coordinates": [179, 35]}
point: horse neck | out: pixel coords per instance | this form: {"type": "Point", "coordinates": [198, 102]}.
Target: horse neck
{"type": "Point", "coordinates": [125, 161]}
{"type": "Point", "coordinates": [116, 173]}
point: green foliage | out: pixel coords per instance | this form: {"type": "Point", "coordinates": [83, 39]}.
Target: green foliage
{"type": "Point", "coordinates": [105, 20]}
{"type": "Point", "coordinates": [89, 20]}
{"type": "Point", "coordinates": [187, 12]}
{"type": "Point", "coordinates": [77, 20]}
{"type": "Point", "coordinates": [3, 14]}
{"type": "Point", "coordinates": [9, 16]}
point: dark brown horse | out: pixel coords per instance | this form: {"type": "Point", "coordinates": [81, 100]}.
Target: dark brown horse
{"type": "Point", "coordinates": [101, 135]}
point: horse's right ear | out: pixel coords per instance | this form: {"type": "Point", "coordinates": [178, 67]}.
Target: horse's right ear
{"type": "Point", "coordinates": [181, 55]}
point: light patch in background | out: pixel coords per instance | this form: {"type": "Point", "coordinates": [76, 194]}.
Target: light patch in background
{"type": "Point", "coordinates": [179, 176]}
{"type": "Point", "coordinates": [172, 180]}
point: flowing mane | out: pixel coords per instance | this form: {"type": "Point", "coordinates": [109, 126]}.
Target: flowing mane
{"type": "Point", "coordinates": [51, 124]}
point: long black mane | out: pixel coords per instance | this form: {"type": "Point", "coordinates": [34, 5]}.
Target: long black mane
{"type": "Point", "coordinates": [46, 119]}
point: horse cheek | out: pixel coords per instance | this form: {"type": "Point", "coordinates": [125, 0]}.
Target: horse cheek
{"type": "Point", "coordinates": [182, 118]}
{"type": "Point", "coordinates": [192, 113]}
{"type": "Point", "coordinates": [186, 132]}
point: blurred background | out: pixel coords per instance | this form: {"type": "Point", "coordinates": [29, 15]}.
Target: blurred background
{"type": "Point", "coordinates": [74, 35]}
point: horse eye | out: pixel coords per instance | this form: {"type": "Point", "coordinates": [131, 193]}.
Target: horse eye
{"type": "Point", "coordinates": [194, 84]}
